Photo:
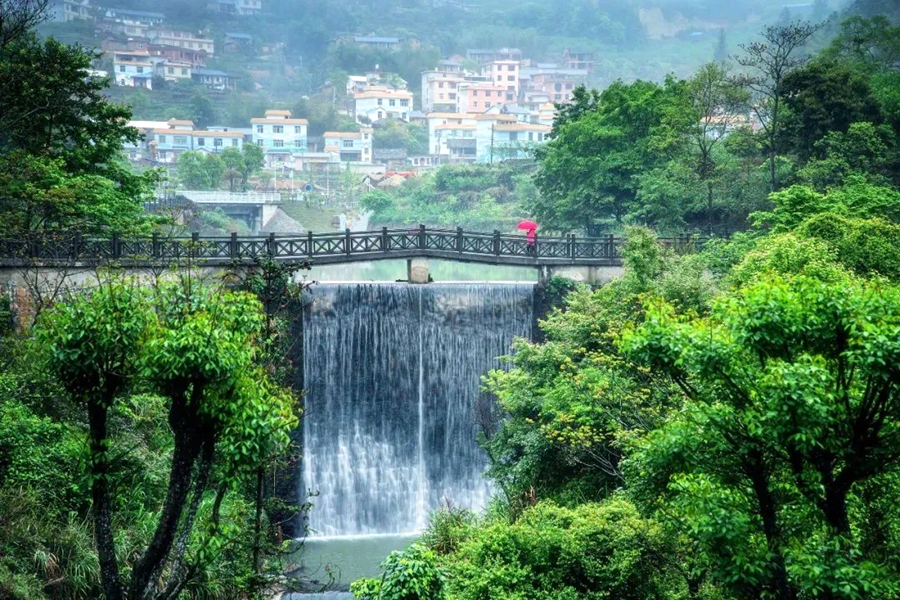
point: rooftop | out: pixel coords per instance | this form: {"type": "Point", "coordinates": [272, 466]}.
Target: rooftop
{"type": "Point", "coordinates": [342, 134]}
{"type": "Point", "coordinates": [211, 72]}
{"type": "Point", "coordinates": [364, 39]}
{"type": "Point", "coordinates": [239, 36]}
{"type": "Point", "coordinates": [389, 153]}
{"type": "Point", "coordinates": [136, 13]}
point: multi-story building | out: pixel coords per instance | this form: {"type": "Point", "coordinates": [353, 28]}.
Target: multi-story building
{"type": "Point", "coordinates": [504, 73]}
{"type": "Point", "coordinates": [479, 97]}
{"type": "Point", "coordinates": [196, 58]}
{"type": "Point", "coordinates": [514, 141]}
{"type": "Point", "coordinates": [481, 137]}
{"type": "Point", "coordinates": [350, 146]}
{"type": "Point", "coordinates": [179, 137]}
{"type": "Point", "coordinates": [140, 149]}
{"type": "Point", "coordinates": [132, 68]}
{"type": "Point", "coordinates": [184, 39]}
{"type": "Point", "coordinates": [279, 135]}
{"type": "Point", "coordinates": [374, 103]}
{"type": "Point", "coordinates": [378, 43]}
{"type": "Point", "coordinates": [248, 7]}
{"type": "Point", "coordinates": [557, 83]}
{"type": "Point", "coordinates": [213, 79]}
{"type": "Point", "coordinates": [138, 16]}
{"type": "Point", "coordinates": [579, 60]}
{"type": "Point", "coordinates": [439, 91]}
{"type": "Point", "coordinates": [71, 10]}
{"type": "Point", "coordinates": [171, 70]}
{"type": "Point", "coordinates": [492, 54]}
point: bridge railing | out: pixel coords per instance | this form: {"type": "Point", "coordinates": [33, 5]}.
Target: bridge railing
{"type": "Point", "coordinates": [356, 245]}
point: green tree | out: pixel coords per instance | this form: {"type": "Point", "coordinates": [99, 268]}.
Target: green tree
{"type": "Point", "coordinates": [588, 171]}
{"type": "Point", "coordinates": [792, 402]}
{"type": "Point", "coordinates": [199, 170]}
{"type": "Point", "coordinates": [824, 98]}
{"type": "Point", "coordinates": [50, 109]}
{"type": "Point", "coordinates": [254, 159]}
{"type": "Point", "coordinates": [766, 66]}
{"type": "Point", "coordinates": [203, 113]}
{"type": "Point", "coordinates": [195, 347]}
{"type": "Point", "coordinates": [412, 574]}
{"type": "Point", "coordinates": [233, 160]}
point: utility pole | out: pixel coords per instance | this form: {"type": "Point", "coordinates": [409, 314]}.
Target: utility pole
{"type": "Point", "coordinates": [492, 143]}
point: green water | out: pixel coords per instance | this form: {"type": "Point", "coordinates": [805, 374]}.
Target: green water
{"type": "Point", "coordinates": [342, 560]}
{"type": "Point", "coordinates": [440, 270]}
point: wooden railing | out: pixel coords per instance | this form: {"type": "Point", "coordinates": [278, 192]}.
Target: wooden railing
{"type": "Point", "coordinates": [324, 248]}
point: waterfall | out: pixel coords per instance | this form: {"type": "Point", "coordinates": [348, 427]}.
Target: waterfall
{"type": "Point", "coordinates": [393, 377]}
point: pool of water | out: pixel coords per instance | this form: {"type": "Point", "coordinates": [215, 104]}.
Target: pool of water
{"type": "Point", "coordinates": [338, 561]}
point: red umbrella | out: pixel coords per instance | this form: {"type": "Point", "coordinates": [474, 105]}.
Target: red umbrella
{"type": "Point", "coordinates": [527, 225]}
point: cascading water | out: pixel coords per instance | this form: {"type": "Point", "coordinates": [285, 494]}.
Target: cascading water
{"type": "Point", "coordinates": [393, 376]}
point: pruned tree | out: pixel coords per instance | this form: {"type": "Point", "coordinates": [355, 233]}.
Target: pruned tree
{"type": "Point", "coordinates": [766, 64]}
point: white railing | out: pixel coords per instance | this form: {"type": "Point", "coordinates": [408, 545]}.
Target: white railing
{"type": "Point", "coordinates": [214, 197]}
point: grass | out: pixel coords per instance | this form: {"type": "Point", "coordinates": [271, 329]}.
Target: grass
{"type": "Point", "coordinates": [310, 217]}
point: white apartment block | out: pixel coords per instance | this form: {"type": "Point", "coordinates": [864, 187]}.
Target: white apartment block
{"type": "Point", "coordinates": [279, 135]}
{"type": "Point", "coordinates": [480, 137]}
{"type": "Point", "coordinates": [133, 68]}
{"type": "Point", "coordinates": [504, 73]}
{"type": "Point", "coordinates": [350, 146]}
{"type": "Point", "coordinates": [374, 103]}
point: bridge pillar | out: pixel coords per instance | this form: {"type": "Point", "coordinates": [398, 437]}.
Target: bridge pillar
{"type": "Point", "coordinates": [417, 270]}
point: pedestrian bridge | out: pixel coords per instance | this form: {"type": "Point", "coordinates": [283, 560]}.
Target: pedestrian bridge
{"type": "Point", "coordinates": [593, 258]}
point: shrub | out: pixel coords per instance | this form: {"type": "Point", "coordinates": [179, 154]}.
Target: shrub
{"type": "Point", "coordinates": [412, 574]}
{"type": "Point", "coordinates": [551, 553]}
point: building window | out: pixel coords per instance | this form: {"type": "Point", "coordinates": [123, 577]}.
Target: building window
{"type": "Point", "coordinates": [171, 70]}
{"type": "Point", "coordinates": [557, 97]}
{"type": "Point", "coordinates": [184, 71]}
{"type": "Point", "coordinates": [403, 116]}
{"type": "Point", "coordinates": [530, 136]}
{"type": "Point", "coordinates": [201, 141]}
{"type": "Point", "coordinates": [440, 84]}
{"type": "Point", "coordinates": [440, 96]}
{"type": "Point", "coordinates": [298, 129]}
{"type": "Point", "coordinates": [557, 86]}
{"type": "Point", "coordinates": [278, 143]}
{"type": "Point", "coordinates": [234, 142]}
{"type": "Point", "coordinates": [162, 139]}
{"type": "Point", "coordinates": [140, 69]}
{"type": "Point", "coordinates": [379, 102]}
{"type": "Point", "coordinates": [259, 129]}
{"type": "Point", "coordinates": [298, 143]}
{"type": "Point", "coordinates": [487, 105]}
{"type": "Point", "coordinates": [217, 142]}
{"type": "Point", "coordinates": [392, 102]}
{"type": "Point", "coordinates": [568, 86]}
{"type": "Point", "coordinates": [121, 68]}
{"type": "Point", "coordinates": [347, 143]}
{"type": "Point", "coordinates": [475, 104]}
{"type": "Point", "coordinates": [365, 136]}
{"type": "Point", "coordinates": [540, 137]}
{"type": "Point", "coordinates": [511, 78]}
{"type": "Point", "coordinates": [513, 136]}
{"type": "Point", "coordinates": [404, 103]}
{"type": "Point", "coordinates": [180, 140]}
{"type": "Point", "coordinates": [379, 114]}
{"type": "Point", "coordinates": [277, 128]}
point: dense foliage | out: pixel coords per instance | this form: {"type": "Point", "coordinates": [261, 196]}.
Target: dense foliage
{"type": "Point", "coordinates": [729, 415]}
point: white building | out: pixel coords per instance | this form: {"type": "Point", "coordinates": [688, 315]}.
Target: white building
{"type": "Point", "coordinates": [71, 10]}
{"type": "Point", "coordinates": [350, 146]}
{"type": "Point", "coordinates": [183, 39]}
{"type": "Point", "coordinates": [378, 102]}
{"type": "Point", "coordinates": [133, 68]}
{"type": "Point", "coordinates": [482, 137]}
{"type": "Point", "coordinates": [179, 136]}
{"type": "Point", "coordinates": [171, 70]}
{"type": "Point", "coordinates": [504, 73]}
{"type": "Point", "coordinates": [279, 135]}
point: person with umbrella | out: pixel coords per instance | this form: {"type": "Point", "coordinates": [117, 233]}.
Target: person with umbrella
{"type": "Point", "coordinates": [530, 228]}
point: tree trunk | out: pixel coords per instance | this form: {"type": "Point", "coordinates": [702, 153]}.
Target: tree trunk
{"type": "Point", "coordinates": [257, 523]}
{"type": "Point", "coordinates": [709, 206]}
{"type": "Point", "coordinates": [756, 471]}
{"type": "Point", "coordinates": [106, 545]}
{"type": "Point", "coordinates": [188, 443]}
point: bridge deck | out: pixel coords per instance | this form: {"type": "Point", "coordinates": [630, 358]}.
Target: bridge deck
{"type": "Point", "coordinates": [324, 248]}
